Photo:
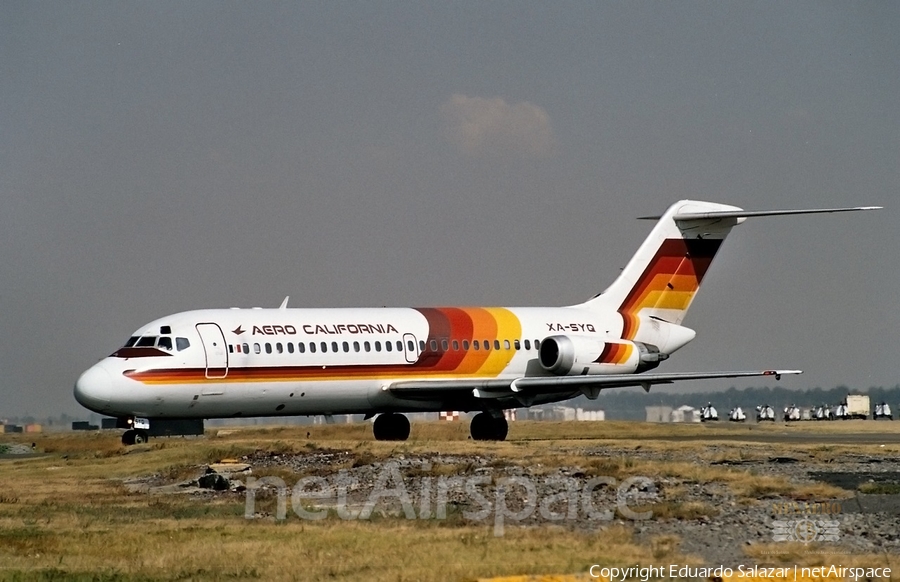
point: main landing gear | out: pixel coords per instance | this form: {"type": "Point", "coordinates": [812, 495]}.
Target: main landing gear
{"type": "Point", "coordinates": [391, 427]}
{"type": "Point", "coordinates": [488, 427]}
{"type": "Point", "coordinates": [485, 426]}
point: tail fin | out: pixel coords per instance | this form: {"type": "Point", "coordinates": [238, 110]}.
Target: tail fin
{"type": "Point", "coordinates": [662, 278]}
{"type": "Point", "coordinates": [660, 281]}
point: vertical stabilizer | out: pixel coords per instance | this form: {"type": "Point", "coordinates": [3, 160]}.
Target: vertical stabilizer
{"type": "Point", "coordinates": [661, 279]}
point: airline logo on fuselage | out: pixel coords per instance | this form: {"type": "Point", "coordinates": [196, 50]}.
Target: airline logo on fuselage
{"type": "Point", "coordinates": [352, 328]}
{"type": "Point", "coordinates": [274, 330]}
{"type": "Point", "coordinates": [326, 328]}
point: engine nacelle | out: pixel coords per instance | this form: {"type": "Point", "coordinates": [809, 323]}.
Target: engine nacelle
{"type": "Point", "coordinates": [567, 355]}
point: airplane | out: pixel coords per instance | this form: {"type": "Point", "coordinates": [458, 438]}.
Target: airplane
{"type": "Point", "coordinates": [383, 362]}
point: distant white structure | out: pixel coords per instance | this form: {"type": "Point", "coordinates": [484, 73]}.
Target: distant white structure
{"type": "Point", "coordinates": [686, 413]}
{"type": "Point", "coordinates": [658, 413]}
{"type": "Point", "coordinates": [792, 413]}
{"type": "Point", "coordinates": [510, 414]}
{"type": "Point", "coordinates": [589, 415]}
{"type": "Point", "coordinates": [709, 412]}
{"type": "Point", "coordinates": [823, 412]}
{"type": "Point", "coordinates": [883, 411]}
{"type": "Point", "coordinates": [765, 412]}
{"type": "Point", "coordinates": [857, 406]}
{"type": "Point", "coordinates": [737, 415]}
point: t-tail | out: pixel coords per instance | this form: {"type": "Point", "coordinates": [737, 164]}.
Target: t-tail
{"type": "Point", "coordinates": [655, 290]}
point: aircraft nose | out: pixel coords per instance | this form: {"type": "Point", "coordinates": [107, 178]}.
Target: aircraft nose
{"type": "Point", "coordinates": [94, 389]}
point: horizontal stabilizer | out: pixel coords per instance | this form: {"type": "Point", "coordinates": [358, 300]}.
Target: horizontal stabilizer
{"type": "Point", "coordinates": [753, 213]}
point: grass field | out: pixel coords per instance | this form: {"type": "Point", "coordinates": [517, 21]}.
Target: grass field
{"type": "Point", "coordinates": [68, 515]}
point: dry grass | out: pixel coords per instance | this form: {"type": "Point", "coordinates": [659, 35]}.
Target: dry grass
{"type": "Point", "coordinates": [68, 515]}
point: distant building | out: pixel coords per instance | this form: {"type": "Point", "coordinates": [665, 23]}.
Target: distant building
{"type": "Point", "coordinates": [658, 413]}
{"type": "Point", "coordinates": [685, 413]}
{"type": "Point", "coordinates": [589, 415]}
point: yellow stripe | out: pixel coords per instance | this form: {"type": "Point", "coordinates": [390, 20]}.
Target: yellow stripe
{"type": "Point", "coordinates": [508, 328]}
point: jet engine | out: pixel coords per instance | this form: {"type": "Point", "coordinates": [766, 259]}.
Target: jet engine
{"type": "Point", "coordinates": [567, 355]}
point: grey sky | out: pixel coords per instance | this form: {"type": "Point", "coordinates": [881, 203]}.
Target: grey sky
{"type": "Point", "coordinates": [163, 156]}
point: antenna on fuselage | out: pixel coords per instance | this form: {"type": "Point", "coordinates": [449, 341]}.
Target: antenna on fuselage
{"type": "Point", "coordinates": [284, 303]}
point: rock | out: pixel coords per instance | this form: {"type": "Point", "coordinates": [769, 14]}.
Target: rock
{"type": "Point", "coordinates": [213, 481]}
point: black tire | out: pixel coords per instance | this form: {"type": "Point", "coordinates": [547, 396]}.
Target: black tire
{"type": "Point", "coordinates": [391, 427]}
{"type": "Point", "coordinates": [128, 438]}
{"type": "Point", "coordinates": [141, 437]}
{"type": "Point", "coordinates": [485, 427]}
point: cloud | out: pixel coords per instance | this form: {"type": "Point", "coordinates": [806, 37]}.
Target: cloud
{"type": "Point", "coordinates": [479, 126]}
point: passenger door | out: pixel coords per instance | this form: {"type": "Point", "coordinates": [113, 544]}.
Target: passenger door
{"type": "Point", "coordinates": [216, 355]}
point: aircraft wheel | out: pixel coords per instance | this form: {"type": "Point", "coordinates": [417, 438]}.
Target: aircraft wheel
{"type": "Point", "coordinates": [391, 427]}
{"type": "Point", "coordinates": [141, 437]}
{"type": "Point", "coordinates": [128, 438]}
{"type": "Point", "coordinates": [485, 427]}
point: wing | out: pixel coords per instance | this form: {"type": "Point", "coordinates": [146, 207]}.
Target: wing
{"type": "Point", "coordinates": [528, 387]}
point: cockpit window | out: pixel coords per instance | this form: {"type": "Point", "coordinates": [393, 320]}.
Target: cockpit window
{"type": "Point", "coordinates": [182, 343]}
{"type": "Point", "coordinates": [165, 343]}
{"type": "Point", "coordinates": [131, 341]}
{"type": "Point", "coordinates": [148, 341]}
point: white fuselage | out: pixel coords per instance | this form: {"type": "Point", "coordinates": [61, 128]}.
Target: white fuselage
{"type": "Point", "coordinates": [267, 362]}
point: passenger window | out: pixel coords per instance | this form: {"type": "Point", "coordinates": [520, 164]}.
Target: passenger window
{"type": "Point", "coordinates": [231, 348]}
{"type": "Point", "coordinates": [355, 346]}
{"type": "Point", "coordinates": [301, 347]}
{"type": "Point", "coordinates": [517, 345]}
{"type": "Point", "coordinates": [324, 347]}
{"type": "Point", "coordinates": [246, 349]}
{"type": "Point", "coordinates": [487, 345]}
{"type": "Point", "coordinates": [334, 347]}
{"type": "Point", "coordinates": [537, 344]}
{"type": "Point", "coordinates": [367, 346]}
{"type": "Point", "coordinates": [399, 346]}
{"type": "Point", "coordinates": [496, 344]}
{"type": "Point", "coordinates": [147, 341]}
{"type": "Point", "coordinates": [411, 346]}
{"type": "Point", "coordinates": [346, 347]}
{"type": "Point", "coordinates": [165, 343]}
{"type": "Point", "coordinates": [506, 344]}
{"type": "Point", "coordinates": [182, 343]}
{"type": "Point", "coordinates": [290, 348]}
{"type": "Point", "coordinates": [421, 345]}
{"type": "Point", "coordinates": [312, 347]}
{"type": "Point", "coordinates": [387, 346]}
{"type": "Point", "coordinates": [444, 345]}
{"type": "Point", "coordinates": [527, 344]}
{"type": "Point", "coordinates": [131, 341]}
{"type": "Point", "coordinates": [279, 348]}
{"type": "Point", "coordinates": [466, 345]}
{"type": "Point", "coordinates": [455, 345]}
{"type": "Point", "coordinates": [433, 344]}
{"type": "Point", "coordinates": [377, 346]}
{"type": "Point", "coordinates": [475, 345]}
{"type": "Point", "coordinates": [268, 348]}
{"type": "Point", "coordinates": [256, 349]}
